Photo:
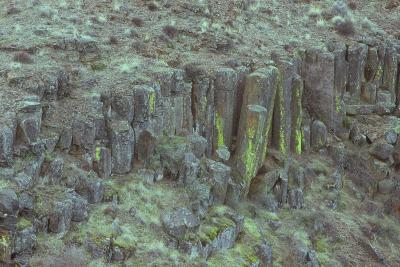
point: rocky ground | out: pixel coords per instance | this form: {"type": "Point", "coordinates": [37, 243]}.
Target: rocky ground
{"type": "Point", "coordinates": [199, 133]}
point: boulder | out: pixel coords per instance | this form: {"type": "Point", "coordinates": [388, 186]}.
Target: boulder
{"type": "Point", "coordinates": [382, 151]}
{"type": "Point", "coordinates": [391, 137]}
{"type": "Point", "coordinates": [178, 222]}
{"type": "Point", "coordinates": [55, 170]}
{"type": "Point", "coordinates": [198, 145]}
{"type": "Point", "coordinates": [122, 146]}
{"type": "Point", "coordinates": [190, 168]}
{"type": "Point", "coordinates": [264, 253]}
{"type": "Point", "coordinates": [8, 202]}
{"type": "Point", "coordinates": [25, 240]}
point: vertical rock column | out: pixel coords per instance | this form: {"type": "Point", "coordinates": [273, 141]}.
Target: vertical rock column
{"type": "Point", "coordinates": [296, 137]}
{"type": "Point", "coordinates": [122, 146]}
{"type": "Point", "coordinates": [319, 86]}
{"type": "Point", "coordinates": [203, 104]}
{"type": "Point", "coordinates": [357, 57]}
{"type": "Point", "coordinates": [390, 72]}
{"type": "Point", "coordinates": [282, 120]}
{"type": "Point", "coordinates": [226, 83]}
{"type": "Point", "coordinates": [252, 145]}
{"type": "Point", "coordinates": [176, 100]}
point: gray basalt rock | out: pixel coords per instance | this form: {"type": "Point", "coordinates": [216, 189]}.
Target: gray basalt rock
{"type": "Point", "coordinates": [122, 146]}
{"type": "Point", "coordinates": [103, 162]}
{"type": "Point", "coordinates": [145, 145]}
{"type": "Point", "coordinates": [55, 170]}
{"type": "Point", "coordinates": [6, 145]}
{"type": "Point", "coordinates": [320, 97]}
{"type": "Point", "coordinates": [178, 222]}
{"type": "Point", "coordinates": [391, 137]}
{"type": "Point", "coordinates": [83, 134]}
{"type": "Point", "coordinates": [8, 202]}
{"type": "Point", "coordinates": [25, 240]}
{"type": "Point", "coordinates": [60, 216]}
{"type": "Point", "coordinates": [296, 198]}
{"type": "Point", "coordinates": [65, 140]}
{"type": "Point", "coordinates": [396, 154]}
{"type": "Point", "coordinates": [357, 58]}
{"type": "Point", "coordinates": [226, 83]}
{"type": "Point", "coordinates": [198, 145]}
{"type": "Point", "coordinates": [382, 151]}
{"type": "Point", "coordinates": [203, 96]}
{"type": "Point", "coordinates": [252, 142]}
{"type": "Point", "coordinates": [319, 134]}
{"type": "Point", "coordinates": [264, 252]}
{"type": "Point", "coordinates": [90, 187]}
{"type": "Point", "coordinates": [79, 207]}
{"type": "Point", "coordinates": [390, 72]}
{"type": "Point", "coordinates": [190, 168]}
{"type": "Point", "coordinates": [220, 175]}
{"type": "Point", "coordinates": [123, 107]}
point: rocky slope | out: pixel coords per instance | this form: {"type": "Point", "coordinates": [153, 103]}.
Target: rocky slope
{"type": "Point", "coordinates": [200, 133]}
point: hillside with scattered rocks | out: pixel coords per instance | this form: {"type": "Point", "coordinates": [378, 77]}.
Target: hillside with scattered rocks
{"type": "Point", "coordinates": [199, 133]}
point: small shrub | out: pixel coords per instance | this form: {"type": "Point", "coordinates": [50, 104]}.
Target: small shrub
{"type": "Point", "coordinates": [12, 10]}
{"type": "Point", "coordinates": [352, 5]}
{"type": "Point", "coordinates": [23, 57]}
{"type": "Point", "coordinates": [113, 40]}
{"type": "Point", "coordinates": [137, 21]}
{"type": "Point", "coordinates": [392, 4]}
{"type": "Point", "coordinates": [152, 6]}
{"type": "Point", "coordinates": [344, 26]}
{"type": "Point", "coordinates": [314, 12]}
{"type": "Point", "coordinates": [170, 30]}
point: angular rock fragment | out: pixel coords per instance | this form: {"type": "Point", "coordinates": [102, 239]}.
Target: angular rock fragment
{"type": "Point", "coordinates": [8, 202]}
{"type": "Point", "coordinates": [190, 168]}
{"type": "Point", "coordinates": [55, 170]}
{"type": "Point", "coordinates": [25, 240]}
{"type": "Point", "coordinates": [198, 145]}
{"type": "Point", "coordinates": [122, 146]}
{"type": "Point", "coordinates": [84, 134]}
{"type": "Point", "coordinates": [319, 134]}
{"type": "Point", "coordinates": [264, 252]}
{"type": "Point", "coordinates": [103, 162]}
{"type": "Point", "coordinates": [178, 222]}
{"type": "Point", "coordinates": [65, 140]}
{"type": "Point", "coordinates": [146, 142]}
{"type": "Point", "coordinates": [382, 151]}
{"type": "Point", "coordinates": [295, 198]}
{"type": "Point", "coordinates": [29, 125]}
{"type": "Point", "coordinates": [220, 176]}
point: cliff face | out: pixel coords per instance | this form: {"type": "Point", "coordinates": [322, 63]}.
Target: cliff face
{"type": "Point", "coordinates": [183, 149]}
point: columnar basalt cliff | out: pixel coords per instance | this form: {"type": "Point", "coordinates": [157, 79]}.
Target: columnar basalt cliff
{"type": "Point", "coordinates": [249, 163]}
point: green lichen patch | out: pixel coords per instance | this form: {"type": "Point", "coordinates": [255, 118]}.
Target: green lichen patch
{"type": "Point", "coordinates": [23, 223]}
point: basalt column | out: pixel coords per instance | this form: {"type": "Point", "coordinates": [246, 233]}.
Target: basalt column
{"type": "Point", "coordinates": [226, 84]}
{"type": "Point", "coordinates": [319, 87]}
{"type": "Point", "coordinates": [255, 121]}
